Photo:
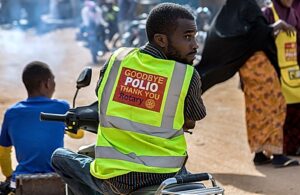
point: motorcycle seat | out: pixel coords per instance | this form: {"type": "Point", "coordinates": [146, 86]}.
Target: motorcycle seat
{"type": "Point", "coordinates": [43, 183]}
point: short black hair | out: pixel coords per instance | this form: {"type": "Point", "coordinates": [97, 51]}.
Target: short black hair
{"type": "Point", "coordinates": [163, 19]}
{"type": "Point", "coordinates": [34, 73]}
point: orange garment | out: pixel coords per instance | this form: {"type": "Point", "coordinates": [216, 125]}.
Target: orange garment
{"type": "Point", "coordinates": [265, 105]}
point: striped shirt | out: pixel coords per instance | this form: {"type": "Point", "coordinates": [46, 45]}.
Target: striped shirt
{"type": "Point", "coordinates": [194, 110]}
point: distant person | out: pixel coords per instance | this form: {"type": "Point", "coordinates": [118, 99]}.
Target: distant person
{"type": "Point", "coordinates": [61, 9]}
{"type": "Point", "coordinates": [287, 47]}
{"type": "Point", "coordinates": [110, 14]}
{"type": "Point", "coordinates": [34, 141]}
{"type": "Point", "coordinates": [10, 12]}
{"type": "Point", "coordinates": [34, 10]}
{"type": "Point", "coordinates": [127, 12]}
{"type": "Point", "coordinates": [241, 40]}
{"type": "Point", "coordinates": [94, 24]}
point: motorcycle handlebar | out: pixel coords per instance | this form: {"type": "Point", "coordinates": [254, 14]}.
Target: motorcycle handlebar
{"type": "Point", "coordinates": [52, 117]}
{"type": "Point", "coordinates": [182, 179]}
{"type": "Point", "coordinates": [192, 178]}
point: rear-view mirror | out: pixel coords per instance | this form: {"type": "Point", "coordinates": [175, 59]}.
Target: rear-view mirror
{"type": "Point", "coordinates": [84, 78]}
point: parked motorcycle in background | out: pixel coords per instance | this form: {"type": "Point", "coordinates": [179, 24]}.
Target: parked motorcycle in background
{"type": "Point", "coordinates": [92, 30]}
{"type": "Point", "coordinates": [203, 20]}
{"type": "Point", "coordinates": [135, 35]}
{"type": "Point", "coordinates": [110, 12]}
{"type": "Point", "coordinates": [62, 13]}
{"type": "Point", "coordinates": [103, 35]}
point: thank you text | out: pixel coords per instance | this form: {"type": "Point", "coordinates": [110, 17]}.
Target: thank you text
{"type": "Point", "coordinates": [140, 89]}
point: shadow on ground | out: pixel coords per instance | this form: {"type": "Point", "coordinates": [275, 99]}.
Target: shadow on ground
{"type": "Point", "coordinates": [267, 180]}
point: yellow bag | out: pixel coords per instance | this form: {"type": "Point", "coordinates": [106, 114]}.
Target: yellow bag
{"type": "Point", "coordinates": [289, 68]}
{"type": "Point", "coordinates": [290, 83]}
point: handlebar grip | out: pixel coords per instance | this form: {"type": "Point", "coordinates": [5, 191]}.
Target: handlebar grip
{"type": "Point", "coordinates": [52, 117]}
{"type": "Point", "coordinates": [192, 178]}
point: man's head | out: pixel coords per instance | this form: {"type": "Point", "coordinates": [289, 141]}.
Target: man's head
{"type": "Point", "coordinates": [172, 28]}
{"type": "Point", "coordinates": [38, 79]}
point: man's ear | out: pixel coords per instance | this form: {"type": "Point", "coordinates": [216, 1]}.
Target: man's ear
{"type": "Point", "coordinates": [161, 40]}
{"type": "Point", "coordinates": [42, 86]}
{"type": "Point", "coordinates": [45, 84]}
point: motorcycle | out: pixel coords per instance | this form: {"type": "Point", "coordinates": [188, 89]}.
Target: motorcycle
{"type": "Point", "coordinates": [86, 118]}
{"type": "Point", "coordinates": [135, 35]}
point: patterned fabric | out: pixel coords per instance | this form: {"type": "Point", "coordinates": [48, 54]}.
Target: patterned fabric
{"type": "Point", "coordinates": [265, 105]}
{"type": "Point", "coordinates": [291, 130]}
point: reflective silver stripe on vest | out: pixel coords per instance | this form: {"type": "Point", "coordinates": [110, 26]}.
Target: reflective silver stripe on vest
{"type": "Point", "coordinates": [166, 129]}
{"type": "Point", "coordinates": [174, 91]}
{"type": "Point", "coordinates": [152, 161]}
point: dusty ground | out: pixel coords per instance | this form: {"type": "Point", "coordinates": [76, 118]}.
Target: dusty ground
{"type": "Point", "coordinates": [218, 144]}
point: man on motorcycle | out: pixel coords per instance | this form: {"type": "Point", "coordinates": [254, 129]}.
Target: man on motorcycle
{"type": "Point", "coordinates": [34, 141]}
{"type": "Point", "coordinates": [147, 97]}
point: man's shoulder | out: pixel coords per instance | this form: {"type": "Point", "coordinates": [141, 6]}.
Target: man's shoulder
{"type": "Point", "coordinates": [196, 76]}
{"type": "Point", "coordinates": [60, 101]}
{"type": "Point", "coordinates": [196, 83]}
{"type": "Point", "coordinates": [26, 106]}
{"type": "Point", "coordinates": [44, 101]}
{"type": "Point", "coordinates": [13, 108]}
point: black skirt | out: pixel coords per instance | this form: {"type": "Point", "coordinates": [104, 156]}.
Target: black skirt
{"type": "Point", "coordinates": [291, 145]}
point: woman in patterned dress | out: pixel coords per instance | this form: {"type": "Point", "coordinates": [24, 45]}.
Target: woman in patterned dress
{"type": "Point", "coordinates": [241, 40]}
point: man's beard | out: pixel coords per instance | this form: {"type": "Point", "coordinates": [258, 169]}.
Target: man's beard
{"type": "Point", "coordinates": [172, 54]}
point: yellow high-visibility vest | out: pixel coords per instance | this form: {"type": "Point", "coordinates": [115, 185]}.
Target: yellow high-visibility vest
{"type": "Point", "coordinates": [141, 110]}
{"type": "Point", "coordinates": [289, 68]}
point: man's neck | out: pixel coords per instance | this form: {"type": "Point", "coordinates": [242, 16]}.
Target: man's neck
{"type": "Point", "coordinates": [36, 94]}
{"type": "Point", "coordinates": [153, 50]}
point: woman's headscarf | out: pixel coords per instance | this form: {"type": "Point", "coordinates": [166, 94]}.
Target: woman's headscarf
{"type": "Point", "coordinates": [238, 30]}
{"type": "Point", "coordinates": [236, 17]}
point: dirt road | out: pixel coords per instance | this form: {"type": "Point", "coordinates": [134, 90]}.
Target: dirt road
{"type": "Point", "coordinates": [218, 144]}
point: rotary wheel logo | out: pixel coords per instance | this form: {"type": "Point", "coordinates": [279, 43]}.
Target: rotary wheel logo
{"type": "Point", "coordinates": [150, 103]}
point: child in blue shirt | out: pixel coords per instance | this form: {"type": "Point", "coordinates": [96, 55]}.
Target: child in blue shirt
{"type": "Point", "coordinates": [34, 141]}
